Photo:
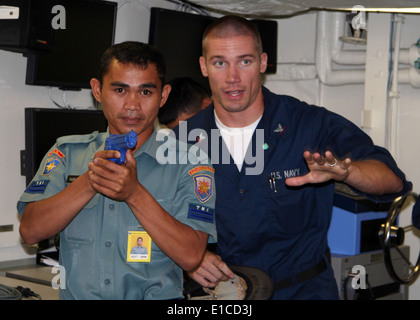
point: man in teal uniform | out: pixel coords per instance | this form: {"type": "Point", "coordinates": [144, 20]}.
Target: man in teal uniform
{"type": "Point", "coordinates": [101, 207]}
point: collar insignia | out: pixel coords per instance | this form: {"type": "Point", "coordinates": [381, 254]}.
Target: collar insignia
{"type": "Point", "coordinates": [280, 129]}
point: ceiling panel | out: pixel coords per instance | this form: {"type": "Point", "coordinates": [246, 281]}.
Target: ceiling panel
{"type": "Point", "coordinates": [289, 7]}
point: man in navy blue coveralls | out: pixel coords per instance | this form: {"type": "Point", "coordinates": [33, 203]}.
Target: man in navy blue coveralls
{"type": "Point", "coordinates": [274, 204]}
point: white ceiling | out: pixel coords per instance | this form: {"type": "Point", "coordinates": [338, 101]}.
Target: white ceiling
{"type": "Point", "coordinates": [289, 7]}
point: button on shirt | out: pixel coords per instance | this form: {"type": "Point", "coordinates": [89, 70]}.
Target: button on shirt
{"type": "Point", "coordinates": [94, 246]}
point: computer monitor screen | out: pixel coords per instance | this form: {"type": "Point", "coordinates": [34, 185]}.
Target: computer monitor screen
{"type": "Point", "coordinates": [89, 31]}
{"type": "Point", "coordinates": [44, 126]}
{"type": "Point", "coordinates": [178, 36]}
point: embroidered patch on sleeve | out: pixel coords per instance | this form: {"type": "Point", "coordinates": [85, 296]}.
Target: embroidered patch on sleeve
{"type": "Point", "coordinates": [199, 212]}
{"type": "Point", "coordinates": [200, 168]}
{"type": "Point", "coordinates": [203, 187]}
{"type": "Point", "coordinates": [37, 186]}
{"type": "Point", "coordinates": [55, 157]}
{"type": "Point", "coordinates": [56, 152]}
{"type": "Point", "coordinates": [51, 164]}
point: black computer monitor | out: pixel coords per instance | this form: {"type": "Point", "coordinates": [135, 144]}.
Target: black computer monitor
{"type": "Point", "coordinates": [89, 31]}
{"type": "Point", "coordinates": [44, 126]}
{"type": "Point", "coordinates": [178, 37]}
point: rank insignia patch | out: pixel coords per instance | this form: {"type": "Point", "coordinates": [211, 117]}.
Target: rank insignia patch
{"type": "Point", "coordinates": [203, 187]}
{"type": "Point", "coordinates": [200, 212]}
{"type": "Point", "coordinates": [37, 186]}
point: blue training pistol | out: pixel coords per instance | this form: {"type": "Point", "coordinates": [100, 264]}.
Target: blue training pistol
{"type": "Point", "coordinates": [121, 142]}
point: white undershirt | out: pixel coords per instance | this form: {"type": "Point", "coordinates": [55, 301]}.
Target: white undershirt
{"type": "Point", "coordinates": [236, 139]}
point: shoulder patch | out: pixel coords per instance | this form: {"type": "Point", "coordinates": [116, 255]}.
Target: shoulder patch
{"type": "Point", "coordinates": [37, 186]}
{"type": "Point", "coordinates": [199, 169]}
{"type": "Point", "coordinates": [203, 187]}
{"type": "Point", "coordinates": [50, 164]}
{"type": "Point", "coordinates": [56, 152]}
{"type": "Point", "coordinates": [200, 212]}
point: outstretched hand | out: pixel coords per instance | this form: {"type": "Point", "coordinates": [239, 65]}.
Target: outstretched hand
{"type": "Point", "coordinates": [321, 169]}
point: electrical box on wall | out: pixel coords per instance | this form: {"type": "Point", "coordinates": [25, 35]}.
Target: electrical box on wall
{"type": "Point", "coordinates": [355, 30]}
{"type": "Point", "coordinates": [9, 13]}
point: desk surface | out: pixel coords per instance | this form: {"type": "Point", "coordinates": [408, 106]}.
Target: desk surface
{"type": "Point", "coordinates": [36, 278]}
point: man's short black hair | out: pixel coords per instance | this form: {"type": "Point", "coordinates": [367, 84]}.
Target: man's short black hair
{"type": "Point", "coordinates": [132, 52]}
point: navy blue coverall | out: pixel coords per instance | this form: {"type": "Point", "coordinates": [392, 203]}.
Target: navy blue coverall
{"type": "Point", "coordinates": [265, 224]}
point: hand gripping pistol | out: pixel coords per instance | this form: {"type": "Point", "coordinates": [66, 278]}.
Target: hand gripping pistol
{"type": "Point", "coordinates": [121, 142]}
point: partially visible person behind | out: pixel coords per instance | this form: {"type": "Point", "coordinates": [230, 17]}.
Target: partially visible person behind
{"type": "Point", "coordinates": [187, 97]}
{"type": "Point", "coordinates": [97, 205]}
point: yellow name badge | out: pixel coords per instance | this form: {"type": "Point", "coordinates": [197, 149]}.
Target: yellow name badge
{"type": "Point", "coordinates": [139, 246]}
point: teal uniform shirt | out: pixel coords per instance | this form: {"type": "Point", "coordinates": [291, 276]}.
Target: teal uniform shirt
{"type": "Point", "coordinates": [95, 248]}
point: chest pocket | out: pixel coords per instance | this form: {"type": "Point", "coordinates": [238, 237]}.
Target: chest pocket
{"type": "Point", "coordinates": [290, 211]}
{"type": "Point", "coordinates": [81, 229]}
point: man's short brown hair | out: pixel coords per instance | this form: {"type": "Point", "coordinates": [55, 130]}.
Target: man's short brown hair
{"type": "Point", "coordinates": [229, 26]}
